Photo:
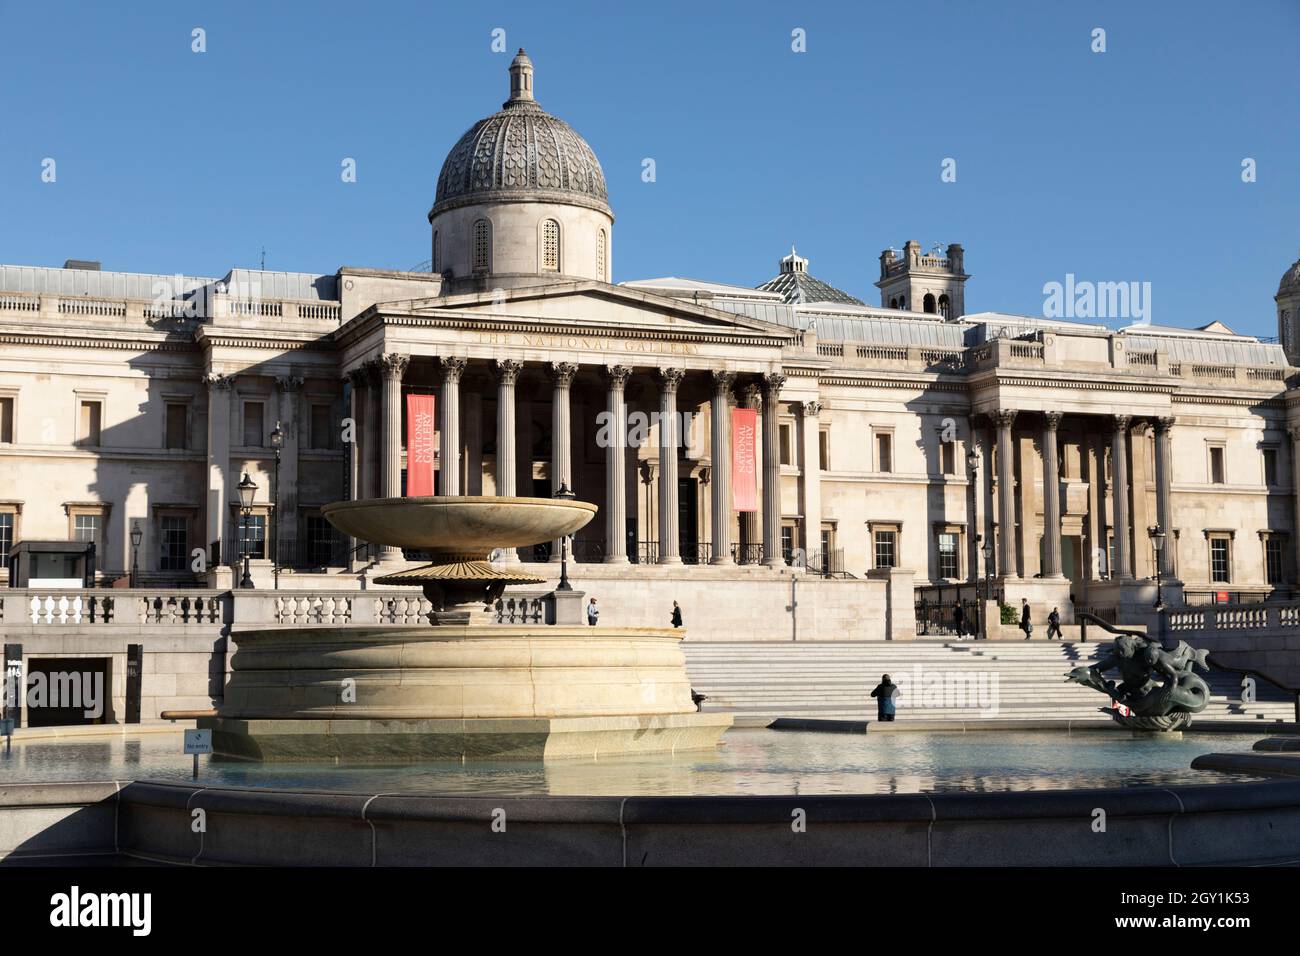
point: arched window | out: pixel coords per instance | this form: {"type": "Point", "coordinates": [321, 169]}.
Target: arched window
{"type": "Point", "coordinates": [436, 268]}
{"type": "Point", "coordinates": [550, 246]}
{"type": "Point", "coordinates": [928, 303]}
{"type": "Point", "coordinates": [482, 252]}
{"type": "Point", "coordinates": [944, 306]}
{"type": "Point", "coordinates": [601, 272]}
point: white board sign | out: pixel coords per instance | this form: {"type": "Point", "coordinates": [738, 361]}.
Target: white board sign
{"type": "Point", "coordinates": [198, 741]}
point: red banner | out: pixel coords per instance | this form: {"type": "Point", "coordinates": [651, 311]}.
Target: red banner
{"type": "Point", "coordinates": [420, 432]}
{"type": "Point", "coordinates": [744, 474]}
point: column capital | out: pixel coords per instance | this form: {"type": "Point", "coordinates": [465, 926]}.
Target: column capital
{"type": "Point", "coordinates": [812, 409]}
{"type": "Point", "coordinates": [617, 375]}
{"type": "Point", "coordinates": [1121, 422]}
{"type": "Point", "coordinates": [1003, 417]}
{"type": "Point", "coordinates": [393, 365]}
{"type": "Point", "coordinates": [289, 383]}
{"type": "Point", "coordinates": [453, 367]}
{"type": "Point", "coordinates": [723, 380]}
{"type": "Point", "coordinates": [1294, 432]}
{"type": "Point", "coordinates": [357, 377]}
{"type": "Point", "coordinates": [563, 373]}
{"type": "Point", "coordinates": [772, 382]}
{"type": "Point", "coordinates": [753, 396]}
{"type": "Point", "coordinates": [1052, 420]}
{"type": "Point", "coordinates": [508, 370]}
{"type": "Point", "coordinates": [670, 378]}
{"type": "Point", "coordinates": [1163, 424]}
{"type": "Point", "coordinates": [215, 380]}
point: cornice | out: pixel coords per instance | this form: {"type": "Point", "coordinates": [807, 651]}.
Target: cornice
{"type": "Point", "coordinates": [78, 341]}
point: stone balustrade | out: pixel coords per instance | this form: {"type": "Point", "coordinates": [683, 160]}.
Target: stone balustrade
{"type": "Point", "coordinates": [199, 308]}
{"type": "Point", "coordinates": [1252, 637]}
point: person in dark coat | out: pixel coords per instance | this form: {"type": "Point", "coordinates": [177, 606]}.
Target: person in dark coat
{"type": "Point", "coordinates": [959, 619]}
{"type": "Point", "coordinates": [1054, 624]}
{"type": "Point", "coordinates": [884, 693]}
{"type": "Point", "coordinates": [677, 615]}
{"type": "Point", "coordinates": [1026, 624]}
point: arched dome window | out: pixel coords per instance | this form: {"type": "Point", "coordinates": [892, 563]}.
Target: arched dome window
{"type": "Point", "coordinates": [944, 306]}
{"type": "Point", "coordinates": [482, 251]}
{"type": "Point", "coordinates": [550, 246]}
{"type": "Point", "coordinates": [602, 270]}
{"type": "Point", "coordinates": [928, 303]}
{"type": "Point", "coordinates": [436, 268]}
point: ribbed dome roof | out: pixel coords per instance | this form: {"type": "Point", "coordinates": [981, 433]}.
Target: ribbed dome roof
{"type": "Point", "coordinates": [1290, 280]}
{"type": "Point", "coordinates": [521, 153]}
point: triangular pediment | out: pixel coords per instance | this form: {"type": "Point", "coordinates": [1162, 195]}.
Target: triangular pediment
{"type": "Point", "coordinates": [593, 304]}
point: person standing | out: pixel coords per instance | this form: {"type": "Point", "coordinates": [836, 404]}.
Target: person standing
{"type": "Point", "coordinates": [884, 693]}
{"type": "Point", "coordinates": [1026, 624]}
{"type": "Point", "coordinates": [677, 615]}
{"type": "Point", "coordinates": [959, 620]}
{"type": "Point", "coordinates": [1054, 623]}
{"type": "Point", "coordinates": [593, 612]}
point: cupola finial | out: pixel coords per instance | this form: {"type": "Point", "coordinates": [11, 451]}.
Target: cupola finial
{"type": "Point", "coordinates": [521, 79]}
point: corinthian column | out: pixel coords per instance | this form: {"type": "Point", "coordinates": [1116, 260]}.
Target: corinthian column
{"type": "Point", "coordinates": [1005, 418]}
{"type": "Point", "coordinates": [561, 435]}
{"type": "Point", "coordinates": [1164, 493]}
{"type": "Point", "coordinates": [392, 367]}
{"type": "Point", "coordinates": [1051, 498]}
{"type": "Point", "coordinates": [615, 466]}
{"type": "Point", "coordinates": [720, 453]}
{"type": "Point", "coordinates": [772, 556]}
{"type": "Point", "coordinates": [669, 546]}
{"type": "Point", "coordinates": [372, 439]}
{"type": "Point", "coordinates": [812, 480]}
{"type": "Point", "coordinates": [452, 369]}
{"type": "Point", "coordinates": [507, 374]}
{"type": "Point", "coordinates": [1119, 496]}
{"type": "Point", "coordinates": [217, 506]}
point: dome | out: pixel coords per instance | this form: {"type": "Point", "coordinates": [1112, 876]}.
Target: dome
{"type": "Point", "coordinates": [1290, 280]}
{"type": "Point", "coordinates": [521, 153]}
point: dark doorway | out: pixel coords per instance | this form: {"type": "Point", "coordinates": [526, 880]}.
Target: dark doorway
{"type": "Point", "coordinates": [688, 513]}
{"type": "Point", "coordinates": [542, 489]}
{"type": "Point", "coordinates": [68, 691]}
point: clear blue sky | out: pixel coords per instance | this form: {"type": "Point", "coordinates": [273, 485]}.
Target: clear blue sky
{"type": "Point", "coordinates": [1122, 166]}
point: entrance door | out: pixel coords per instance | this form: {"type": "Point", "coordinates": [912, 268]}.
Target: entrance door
{"type": "Point", "coordinates": [68, 691]}
{"type": "Point", "coordinates": [688, 512]}
{"type": "Point", "coordinates": [1072, 562]}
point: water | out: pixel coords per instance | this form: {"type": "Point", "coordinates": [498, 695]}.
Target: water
{"type": "Point", "coordinates": [749, 762]}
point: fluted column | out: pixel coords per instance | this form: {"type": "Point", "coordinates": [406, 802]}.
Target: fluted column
{"type": "Point", "coordinates": [219, 476]}
{"type": "Point", "coordinates": [449, 464]}
{"type": "Point", "coordinates": [616, 466]}
{"type": "Point", "coordinates": [772, 556]}
{"type": "Point", "coordinates": [669, 546]}
{"type": "Point", "coordinates": [372, 439]}
{"type": "Point", "coordinates": [392, 367]}
{"type": "Point", "coordinates": [1051, 498]}
{"type": "Point", "coordinates": [358, 379]}
{"type": "Point", "coordinates": [751, 531]}
{"type": "Point", "coordinates": [1165, 492]}
{"type": "Point", "coordinates": [1005, 418]}
{"type": "Point", "coordinates": [720, 455]}
{"type": "Point", "coordinates": [1119, 496]}
{"type": "Point", "coordinates": [561, 435]}
{"type": "Point", "coordinates": [812, 480]}
{"type": "Point", "coordinates": [507, 441]}
{"type": "Point", "coordinates": [1294, 432]}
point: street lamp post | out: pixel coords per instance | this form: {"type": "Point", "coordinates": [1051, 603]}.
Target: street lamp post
{"type": "Point", "coordinates": [988, 584]}
{"type": "Point", "coordinates": [564, 584]}
{"type": "Point", "coordinates": [277, 442]}
{"type": "Point", "coordinates": [973, 467]}
{"type": "Point", "coordinates": [247, 489]}
{"type": "Point", "coordinates": [136, 537]}
{"type": "Point", "coordinates": [1157, 535]}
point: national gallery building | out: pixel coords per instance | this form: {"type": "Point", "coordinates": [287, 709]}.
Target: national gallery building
{"type": "Point", "coordinates": [902, 443]}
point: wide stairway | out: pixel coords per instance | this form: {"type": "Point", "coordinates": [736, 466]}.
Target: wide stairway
{"type": "Point", "coordinates": [835, 679]}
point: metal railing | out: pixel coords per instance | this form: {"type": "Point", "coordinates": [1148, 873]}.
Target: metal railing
{"type": "Point", "coordinates": [698, 553]}
{"type": "Point", "coordinates": [646, 552]}
{"type": "Point", "coordinates": [747, 553]}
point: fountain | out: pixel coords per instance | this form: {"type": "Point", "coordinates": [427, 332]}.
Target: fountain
{"type": "Point", "coordinates": [461, 687]}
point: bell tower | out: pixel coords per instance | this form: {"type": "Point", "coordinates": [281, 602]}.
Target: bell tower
{"type": "Point", "coordinates": [921, 282]}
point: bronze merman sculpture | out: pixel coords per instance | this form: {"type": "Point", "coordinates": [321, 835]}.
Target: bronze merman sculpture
{"type": "Point", "coordinates": [1158, 686]}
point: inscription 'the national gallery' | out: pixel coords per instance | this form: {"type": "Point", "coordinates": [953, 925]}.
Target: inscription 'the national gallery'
{"type": "Point", "coordinates": [586, 343]}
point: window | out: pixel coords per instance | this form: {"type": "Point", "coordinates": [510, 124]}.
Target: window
{"type": "Point", "coordinates": [320, 426]}
{"type": "Point", "coordinates": [824, 449]}
{"type": "Point", "coordinates": [1216, 465]}
{"type": "Point", "coordinates": [928, 303]}
{"type": "Point", "coordinates": [884, 452]}
{"type": "Point", "coordinates": [1220, 559]}
{"type": "Point", "coordinates": [88, 423]}
{"type": "Point", "coordinates": [944, 306]}
{"type": "Point", "coordinates": [6, 538]}
{"type": "Point", "coordinates": [602, 272]}
{"type": "Point", "coordinates": [786, 429]}
{"type": "Point", "coordinates": [885, 548]}
{"type": "Point", "coordinates": [321, 540]}
{"type": "Point", "coordinates": [177, 426]}
{"type": "Point", "coordinates": [1270, 466]}
{"type": "Point", "coordinates": [948, 457]}
{"type": "Point", "coordinates": [7, 420]}
{"type": "Point", "coordinates": [948, 567]}
{"type": "Point", "coordinates": [252, 536]}
{"type": "Point", "coordinates": [436, 265]}
{"type": "Point", "coordinates": [550, 246]}
{"type": "Point", "coordinates": [174, 534]}
{"type": "Point", "coordinates": [86, 527]}
{"type": "Point", "coordinates": [253, 425]}
{"type": "Point", "coordinates": [787, 542]}
{"type": "Point", "coordinates": [1273, 560]}
{"type": "Point", "coordinates": [482, 251]}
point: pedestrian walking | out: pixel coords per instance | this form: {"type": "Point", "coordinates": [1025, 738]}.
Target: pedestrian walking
{"type": "Point", "coordinates": [884, 693]}
{"type": "Point", "coordinates": [677, 615]}
{"type": "Point", "coordinates": [959, 620]}
{"type": "Point", "coordinates": [1054, 623]}
{"type": "Point", "coordinates": [593, 612]}
{"type": "Point", "coordinates": [1026, 624]}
